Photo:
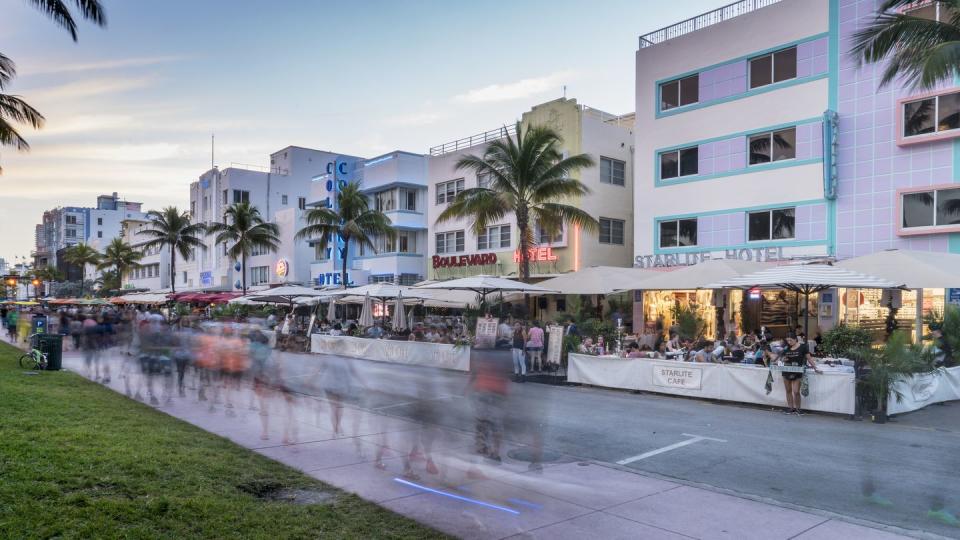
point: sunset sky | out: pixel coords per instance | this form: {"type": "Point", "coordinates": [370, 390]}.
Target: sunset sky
{"type": "Point", "coordinates": [130, 108]}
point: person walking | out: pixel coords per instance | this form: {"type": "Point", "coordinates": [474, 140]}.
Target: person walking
{"type": "Point", "coordinates": [519, 340]}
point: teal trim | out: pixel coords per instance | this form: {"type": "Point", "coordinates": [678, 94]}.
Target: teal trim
{"type": "Point", "coordinates": [833, 98]}
{"type": "Point", "coordinates": [734, 172]}
{"type": "Point", "coordinates": [953, 239]}
{"type": "Point", "coordinates": [746, 245]}
{"type": "Point", "coordinates": [743, 58]}
{"type": "Point", "coordinates": [773, 243]}
{"type": "Point", "coordinates": [741, 134]}
{"type": "Point", "coordinates": [657, 182]}
{"type": "Point", "coordinates": [735, 97]}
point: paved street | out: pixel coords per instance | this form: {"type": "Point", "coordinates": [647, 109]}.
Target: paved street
{"type": "Point", "coordinates": [788, 476]}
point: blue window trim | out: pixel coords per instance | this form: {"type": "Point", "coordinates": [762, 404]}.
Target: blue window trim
{"type": "Point", "coordinates": [749, 92]}
{"type": "Point", "coordinates": [657, 250]}
{"type": "Point", "coordinates": [657, 182]}
{"type": "Point", "coordinates": [393, 185]}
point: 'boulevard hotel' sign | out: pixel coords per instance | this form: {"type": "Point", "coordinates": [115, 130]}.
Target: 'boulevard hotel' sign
{"type": "Point", "coordinates": [667, 260]}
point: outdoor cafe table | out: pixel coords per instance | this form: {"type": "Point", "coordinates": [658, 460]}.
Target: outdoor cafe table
{"type": "Point", "coordinates": [829, 392]}
{"type": "Point", "coordinates": [416, 353]}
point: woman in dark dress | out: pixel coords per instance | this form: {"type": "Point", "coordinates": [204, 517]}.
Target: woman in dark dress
{"type": "Point", "coordinates": [796, 354]}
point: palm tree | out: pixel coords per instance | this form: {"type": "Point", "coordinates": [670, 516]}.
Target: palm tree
{"type": "Point", "coordinates": [13, 110]}
{"type": "Point", "coordinates": [920, 47]}
{"type": "Point", "coordinates": [243, 227]}
{"type": "Point", "coordinates": [109, 280]}
{"type": "Point", "coordinates": [81, 255]}
{"type": "Point", "coordinates": [120, 256]}
{"type": "Point", "coordinates": [172, 228]}
{"type": "Point", "coordinates": [351, 220]}
{"type": "Point", "coordinates": [530, 177]}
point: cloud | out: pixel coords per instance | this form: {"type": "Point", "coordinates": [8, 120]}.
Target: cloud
{"type": "Point", "coordinates": [84, 123]}
{"type": "Point", "coordinates": [521, 89]}
{"type": "Point", "coordinates": [86, 88]}
{"type": "Point", "coordinates": [92, 66]}
{"type": "Point", "coordinates": [109, 152]}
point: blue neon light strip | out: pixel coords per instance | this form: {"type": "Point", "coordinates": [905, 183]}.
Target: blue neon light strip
{"type": "Point", "coordinates": [457, 497]}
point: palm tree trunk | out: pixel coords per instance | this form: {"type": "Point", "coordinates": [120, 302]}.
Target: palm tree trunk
{"type": "Point", "coordinates": [243, 268]}
{"type": "Point", "coordinates": [173, 270]}
{"type": "Point", "coordinates": [523, 224]}
{"type": "Point", "coordinates": [343, 262]}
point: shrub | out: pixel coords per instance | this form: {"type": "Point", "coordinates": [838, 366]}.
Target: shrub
{"type": "Point", "coordinates": [844, 341]}
{"type": "Point", "coordinates": [688, 324]}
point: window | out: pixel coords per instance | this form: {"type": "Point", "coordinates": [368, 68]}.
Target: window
{"type": "Point", "coordinates": [447, 191]}
{"type": "Point", "coordinates": [302, 203]}
{"type": "Point", "coordinates": [184, 276]}
{"type": "Point", "coordinates": [773, 68]}
{"type": "Point", "coordinates": [934, 208]}
{"type": "Point", "coordinates": [611, 231]}
{"type": "Point", "coordinates": [99, 234]}
{"type": "Point", "coordinates": [321, 254]}
{"type": "Point", "coordinates": [225, 197]}
{"type": "Point", "coordinates": [543, 238]}
{"type": "Point", "coordinates": [224, 249]}
{"type": "Point", "coordinates": [450, 242]}
{"type": "Point", "coordinates": [496, 237]}
{"type": "Point", "coordinates": [99, 221]}
{"type": "Point", "coordinates": [71, 233]}
{"type": "Point", "coordinates": [931, 115]}
{"type": "Point", "coordinates": [206, 203]}
{"type": "Point", "coordinates": [71, 220]}
{"type": "Point", "coordinates": [408, 199]}
{"type": "Point", "coordinates": [385, 201]}
{"type": "Point", "coordinates": [678, 233]}
{"type": "Point", "coordinates": [407, 242]}
{"type": "Point", "coordinates": [679, 92]}
{"type": "Point", "coordinates": [193, 208]}
{"type": "Point", "coordinates": [773, 146]}
{"type": "Point", "coordinates": [771, 224]}
{"type": "Point", "coordinates": [241, 196]}
{"type": "Point", "coordinates": [484, 180]}
{"type": "Point", "coordinates": [612, 171]}
{"type": "Point", "coordinates": [682, 162]}
{"type": "Point", "coordinates": [283, 200]}
{"type": "Point", "coordinates": [258, 275]}
{"type": "Point", "coordinates": [933, 11]}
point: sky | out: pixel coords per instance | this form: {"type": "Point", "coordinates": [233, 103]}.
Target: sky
{"type": "Point", "coordinates": [131, 107]}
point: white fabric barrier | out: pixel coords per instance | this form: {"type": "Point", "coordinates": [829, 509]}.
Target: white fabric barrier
{"type": "Point", "coordinates": [414, 353]}
{"type": "Point", "coordinates": [920, 391]}
{"type": "Point", "coordinates": [829, 392]}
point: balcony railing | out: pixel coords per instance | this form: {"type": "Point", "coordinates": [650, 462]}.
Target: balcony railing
{"type": "Point", "coordinates": [473, 140]}
{"type": "Point", "coordinates": [709, 18]}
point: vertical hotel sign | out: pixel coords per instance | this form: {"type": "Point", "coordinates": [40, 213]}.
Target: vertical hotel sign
{"type": "Point", "coordinates": [830, 145]}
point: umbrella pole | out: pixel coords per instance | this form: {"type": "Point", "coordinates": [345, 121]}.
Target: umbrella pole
{"type": "Point", "coordinates": [806, 314]}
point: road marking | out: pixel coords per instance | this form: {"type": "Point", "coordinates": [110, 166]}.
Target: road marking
{"type": "Point", "coordinates": [674, 446]}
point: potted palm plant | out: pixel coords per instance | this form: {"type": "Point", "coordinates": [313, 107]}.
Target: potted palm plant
{"type": "Point", "coordinates": [896, 361]}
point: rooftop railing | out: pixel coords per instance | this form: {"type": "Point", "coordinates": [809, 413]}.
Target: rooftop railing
{"type": "Point", "coordinates": [709, 18]}
{"type": "Point", "coordinates": [473, 140]}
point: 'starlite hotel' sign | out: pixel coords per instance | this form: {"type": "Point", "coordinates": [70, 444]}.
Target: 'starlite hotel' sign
{"type": "Point", "coordinates": [668, 260]}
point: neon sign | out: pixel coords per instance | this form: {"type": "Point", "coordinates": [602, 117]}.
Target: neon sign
{"type": "Point", "coordinates": [537, 254]}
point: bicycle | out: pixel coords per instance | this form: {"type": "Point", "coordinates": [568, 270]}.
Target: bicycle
{"type": "Point", "coordinates": [35, 359]}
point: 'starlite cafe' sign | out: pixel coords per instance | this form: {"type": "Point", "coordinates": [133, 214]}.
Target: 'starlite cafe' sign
{"type": "Point", "coordinates": [688, 259]}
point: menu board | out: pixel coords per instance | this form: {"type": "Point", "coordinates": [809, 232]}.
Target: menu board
{"type": "Point", "coordinates": [554, 343]}
{"type": "Point", "coordinates": [486, 335]}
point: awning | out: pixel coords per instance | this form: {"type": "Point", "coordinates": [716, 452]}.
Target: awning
{"type": "Point", "coordinates": [913, 269]}
{"type": "Point", "coordinates": [699, 275]}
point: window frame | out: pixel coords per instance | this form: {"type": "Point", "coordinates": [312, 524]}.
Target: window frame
{"type": "Point", "coordinates": [611, 236]}
{"type": "Point", "coordinates": [937, 133]}
{"type": "Point", "coordinates": [770, 135]}
{"type": "Point", "coordinates": [770, 222]}
{"type": "Point", "coordinates": [239, 195]}
{"type": "Point", "coordinates": [486, 237]}
{"type": "Point", "coordinates": [613, 161]}
{"type": "Point", "coordinates": [773, 68]}
{"type": "Point", "coordinates": [677, 221]}
{"type": "Point", "coordinates": [924, 229]}
{"type": "Point", "coordinates": [678, 81]}
{"type": "Point", "coordinates": [678, 152]}
{"type": "Point", "coordinates": [456, 240]}
{"type": "Point", "coordinates": [458, 187]}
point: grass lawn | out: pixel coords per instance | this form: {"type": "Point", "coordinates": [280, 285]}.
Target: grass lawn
{"type": "Point", "coordinates": [80, 461]}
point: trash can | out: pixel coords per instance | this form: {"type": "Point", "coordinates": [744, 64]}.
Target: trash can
{"type": "Point", "coordinates": [52, 345]}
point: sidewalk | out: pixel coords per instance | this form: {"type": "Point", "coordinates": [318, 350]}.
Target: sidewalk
{"type": "Point", "coordinates": [568, 499]}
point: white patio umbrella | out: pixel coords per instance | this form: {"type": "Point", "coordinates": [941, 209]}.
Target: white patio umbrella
{"type": "Point", "coordinates": [805, 279]}
{"type": "Point", "coordinates": [599, 280]}
{"type": "Point", "coordinates": [332, 311]}
{"type": "Point", "coordinates": [399, 315]}
{"type": "Point", "coordinates": [366, 314]}
{"type": "Point", "coordinates": [484, 285]}
{"type": "Point", "coordinates": [283, 295]}
{"type": "Point", "coordinates": [913, 269]}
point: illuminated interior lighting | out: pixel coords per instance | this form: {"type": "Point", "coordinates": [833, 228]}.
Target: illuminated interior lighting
{"type": "Point", "coordinates": [576, 248]}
